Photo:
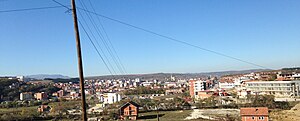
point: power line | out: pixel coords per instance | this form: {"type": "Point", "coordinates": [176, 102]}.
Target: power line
{"type": "Point", "coordinates": [106, 65]}
{"type": "Point", "coordinates": [103, 59]}
{"type": "Point", "coordinates": [29, 9]}
{"type": "Point", "coordinates": [102, 38]}
{"type": "Point", "coordinates": [114, 50]}
{"type": "Point", "coordinates": [62, 4]}
{"type": "Point", "coordinates": [173, 39]}
{"type": "Point", "coordinates": [95, 47]}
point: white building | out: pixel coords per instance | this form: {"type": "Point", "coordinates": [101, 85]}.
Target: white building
{"type": "Point", "coordinates": [276, 88]}
{"type": "Point", "coordinates": [236, 83]}
{"type": "Point", "coordinates": [196, 86]}
{"type": "Point", "coordinates": [147, 84]}
{"type": "Point", "coordinates": [199, 86]}
{"type": "Point", "coordinates": [296, 76]}
{"type": "Point", "coordinates": [226, 85]}
{"type": "Point", "coordinates": [110, 98]}
{"type": "Point", "coordinates": [137, 80]}
{"type": "Point", "coordinates": [170, 84]}
{"type": "Point", "coordinates": [23, 78]}
{"type": "Point", "coordinates": [26, 96]}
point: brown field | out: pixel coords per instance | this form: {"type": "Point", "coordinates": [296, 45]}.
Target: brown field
{"type": "Point", "coordinates": [286, 115]}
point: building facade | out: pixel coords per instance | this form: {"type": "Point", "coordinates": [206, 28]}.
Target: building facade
{"type": "Point", "coordinates": [110, 98]}
{"type": "Point", "coordinates": [276, 88]}
{"type": "Point", "coordinates": [129, 110]}
{"type": "Point", "coordinates": [41, 96]}
{"type": "Point", "coordinates": [26, 96]}
{"type": "Point", "coordinates": [196, 86]}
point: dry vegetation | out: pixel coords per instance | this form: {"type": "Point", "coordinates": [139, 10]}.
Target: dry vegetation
{"type": "Point", "coordinates": [286, 115]}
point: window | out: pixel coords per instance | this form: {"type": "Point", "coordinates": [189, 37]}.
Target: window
{"type": "Point", "coordinates": [261, 118]}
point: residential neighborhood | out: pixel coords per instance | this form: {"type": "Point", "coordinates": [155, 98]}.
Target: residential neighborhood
{"type": "Point", "coordinates": [125, 98]}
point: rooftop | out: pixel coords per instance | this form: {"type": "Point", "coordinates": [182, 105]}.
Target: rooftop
{"type": "Point", "coordinates": [295, 81]}
{"type": "Point", "coordinates": [254, 111]}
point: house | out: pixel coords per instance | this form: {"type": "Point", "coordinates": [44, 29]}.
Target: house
{"type": "Point", "coordinates": [203, 94]}
{"type": "Point", "coordinates": [26, 96]}
{"type": "Point", "coordinates": [129, 111]}
{"type": "Point", "coordinates": [59, 93]}
{"type": "Point", "coordinates": [235, 82]}
{"type": "Point", "coordinates": [170, 85]}
{"type": "Point", "coordinates": [243, 93]}
{"type": "Point", "coordinates": [254, 114]}
{"type": "Point", "coordinates": [174, 91]}
{"type": "Point", "coordinates": [296, 76]}
{"type": "Point", "coordinates": [44, 109]}
{"type": "Point", "coordinates": [41, 96]}
{"type": "Point", "coordinates": [75, 95]}
{"type": "Point", "coordinates": [284, 76]}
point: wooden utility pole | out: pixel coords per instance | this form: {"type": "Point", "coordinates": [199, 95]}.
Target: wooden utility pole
{"type": "Point", "coordinates": [80, 68]}
{"type": "Point", "coordinates": [157, 113]}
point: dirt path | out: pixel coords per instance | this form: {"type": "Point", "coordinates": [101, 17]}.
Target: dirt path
{"type": "Point", "coordinates": [211, 114]}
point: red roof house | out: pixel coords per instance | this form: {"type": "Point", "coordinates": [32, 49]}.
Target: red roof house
{"type": "Point", "coordinates": [129, 111]}
{"type": "Point", "coordinates": [254, 114]}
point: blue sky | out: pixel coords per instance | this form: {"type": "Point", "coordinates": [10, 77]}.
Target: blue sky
{"type": "Point", "coordinates": [262, 32]}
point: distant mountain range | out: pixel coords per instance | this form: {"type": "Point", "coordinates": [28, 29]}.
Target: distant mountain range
{"type": "Point", "coordinates": [163, 76]}
{"type": "Point", "coordinates": [160, 76]}
{"type": "Point", "coordinates": [49, 76]}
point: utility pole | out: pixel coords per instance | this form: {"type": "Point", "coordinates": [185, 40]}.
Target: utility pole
{"type": "Point", "coordinates": [157, 113]}
{"type": "Point", "coordinates": [80, 68]}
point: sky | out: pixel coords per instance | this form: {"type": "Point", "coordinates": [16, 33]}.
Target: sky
{"type": "Point", "coordinates": [265, 33]}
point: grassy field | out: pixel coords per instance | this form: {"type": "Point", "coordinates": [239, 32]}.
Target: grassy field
{"type": "Point", "coordinates": [17, 110]}
{"type": "Point", "coordinates": [165, 115]}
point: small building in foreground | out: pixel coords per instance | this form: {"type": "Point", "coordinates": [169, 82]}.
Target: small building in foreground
{"type": "Point", "coordinates": [129, 110]}
{"type": "Point", "coordinates": [44, 109]}
{"type": "Point", "coordinates": [254, 114]}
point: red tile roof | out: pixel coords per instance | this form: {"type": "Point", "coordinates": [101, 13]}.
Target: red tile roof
{"type": "Point", "coordinates": [254, 111]}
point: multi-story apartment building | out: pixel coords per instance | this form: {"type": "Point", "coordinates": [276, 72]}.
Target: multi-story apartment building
{"type": "Point", "coordinates": [196, 86]}
{"type": "Point", "coordinates": [276, 88]}
{"type": "Point", "coordinates": [110, 98]}
{"type": "Point", "coordinates": [26, 96]}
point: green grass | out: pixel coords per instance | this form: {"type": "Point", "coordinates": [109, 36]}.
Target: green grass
{"type": "Point", "coordinates": [62, 105]}
{"type": "Point", "coordinates": [18, 110]}
{"type": "Point", "coordinates": [165, 115]}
